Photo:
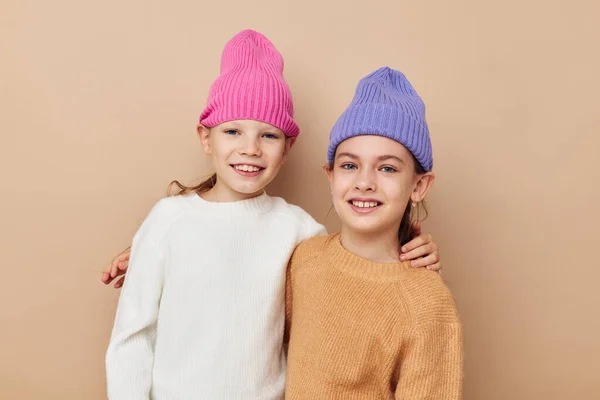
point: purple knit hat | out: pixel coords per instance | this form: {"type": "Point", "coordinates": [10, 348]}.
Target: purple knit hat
{"type": "Point", "coordinates": [385, 104]}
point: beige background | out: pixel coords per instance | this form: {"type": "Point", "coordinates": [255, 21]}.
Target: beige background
{"type": "Point", "coordinates": [98, 103]}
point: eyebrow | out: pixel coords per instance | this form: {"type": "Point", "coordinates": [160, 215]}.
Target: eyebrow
{"type": "Point", "coordinates": [388, 156]}
{"type": "Point", "coordinates": [380, 158]}
{"type": "Point", "coordinates": [350, 155]}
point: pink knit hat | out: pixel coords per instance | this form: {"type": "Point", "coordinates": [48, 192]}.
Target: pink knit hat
{"type": "Point", "coordinates": [251, 85]}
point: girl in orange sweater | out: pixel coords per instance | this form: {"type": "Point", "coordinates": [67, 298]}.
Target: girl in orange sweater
{"type": "Point", "coordinates": [362, 325]}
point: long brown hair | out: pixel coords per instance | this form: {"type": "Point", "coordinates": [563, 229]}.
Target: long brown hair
{"type": "Point", "coordinates": [406, 233]}
{"type": "Point", "coordinates": [177, 188]}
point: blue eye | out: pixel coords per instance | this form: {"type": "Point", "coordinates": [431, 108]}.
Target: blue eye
{"type": "Point", "coordinates": [270, 136]}
{"type": "Point", "coordinates": [388, 169]}
{"type": "Point", "coordinates": [231, 132]}
{"type": "Point", "coordinates": [348, 166]}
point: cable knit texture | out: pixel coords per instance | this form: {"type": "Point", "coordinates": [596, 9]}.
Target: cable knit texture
{"type": "Point", "coordinates": [251, 85]}
{"type": "Point", "coordinates": [201, 313]}
{"type": "Point", "coordinates": [365, 330]}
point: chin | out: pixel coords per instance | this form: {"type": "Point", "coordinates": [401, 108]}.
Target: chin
{"type": "Point", "coordinates": [248, 189]}
{"type": "Point", "coordinates": [366, 227]}
{"type": "Point", "coordinates": [245, 185]}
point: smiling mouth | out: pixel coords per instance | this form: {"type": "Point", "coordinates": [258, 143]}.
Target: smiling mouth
{"type": "Point", "coordinates": [247, 167]}
{"type": "Point", "coordinates": [247, 170]}
{"type": "Point", "coordinates": [364, 204]}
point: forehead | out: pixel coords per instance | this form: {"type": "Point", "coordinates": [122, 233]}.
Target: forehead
{"type": "Point", "coordinates": [249, 125]}
{"type": "Point", "coordinates": [373, 146]}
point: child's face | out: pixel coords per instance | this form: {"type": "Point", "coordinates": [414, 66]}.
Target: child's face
{"type": "Point", "coordinates": [372, 180]}
{"type": "Point", "coordinates": [247, 155]}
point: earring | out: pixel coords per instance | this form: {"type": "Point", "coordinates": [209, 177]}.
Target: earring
{"type": "Point", "coordinates": [413, 204]}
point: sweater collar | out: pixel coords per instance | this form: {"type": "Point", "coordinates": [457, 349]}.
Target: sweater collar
{"type": "Point", "coordinates": [351, 264]}
{"type": "Point", "coordinates": [256, 205]}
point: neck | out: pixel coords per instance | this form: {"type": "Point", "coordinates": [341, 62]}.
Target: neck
{"type": "Point", "coordinates": [377, 247]}
{"type": "Point", "coordinates": [221, 193]}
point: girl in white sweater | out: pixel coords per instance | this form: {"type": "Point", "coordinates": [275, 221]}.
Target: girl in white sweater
{"type": "Point", "coordinates": [201, 313]}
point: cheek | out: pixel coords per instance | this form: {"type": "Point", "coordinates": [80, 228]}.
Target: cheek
{"type": "Point", "coordinates": [274, 152]}
{"type": "Point", "coordinates": [219, 148]}
{"type": "Point", "coordinates": [340, 185]}
{"type": "Point", "coordinates": [397, 192]}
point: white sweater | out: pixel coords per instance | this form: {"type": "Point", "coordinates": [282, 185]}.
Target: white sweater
{"type": "Point", "coordinates": [201, 312]}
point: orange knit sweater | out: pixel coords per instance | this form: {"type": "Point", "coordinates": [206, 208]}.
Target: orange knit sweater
{"type": "Point", "coordinates": [364, 330]}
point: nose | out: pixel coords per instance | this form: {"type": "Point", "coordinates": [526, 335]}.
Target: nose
{"type": "Point", "coordinates": [365, 180]}
{"type": "Point", "coordinates": [251, 148]}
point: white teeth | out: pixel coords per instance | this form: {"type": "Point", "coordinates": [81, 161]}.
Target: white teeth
{"type": "Point", "coordinates": [246, 168]}
{"type": "Point", "coordinates": [364, 204]}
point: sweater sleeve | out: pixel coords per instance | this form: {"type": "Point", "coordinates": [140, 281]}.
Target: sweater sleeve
{"type": "Point", "coordinates": [315, 229]}
{"type": "Point", "coordinates": [130, 354]}
{"type": "Point", "coordinates": [303, 252]}
{"type": "Point", "coordinates": [309, 226]}
{"type": "Point", "coordinates": [432, 363]}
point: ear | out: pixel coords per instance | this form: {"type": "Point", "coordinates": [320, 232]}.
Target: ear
{"type": "Point", "coordinates": [422, 186]}
{"type": "Point", "coordinates": [329, 172]}
{"type": "Point", "coordinates": [289, 142]}
{"type": "Point", "coordinates": [204, 133]}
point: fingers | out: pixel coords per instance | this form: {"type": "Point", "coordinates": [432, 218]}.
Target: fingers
{"type": "Point", "coordinates": [421, 251]}
{"type": "Point", "coordinates": [417, 242]}
{"type": "Point", "coordinates": [116, 268]}
{"type": "Point", "coordinates": [436, 267]}
{"type": "Point", "coordinates": [120, 263]}
{"type": "Point", "coordinates": [426, 261]}
{"type": "Point", "coordinates": [123, 265]}
{"type": "Point", "coordinates": [108, 268]}
{"type": "Point", "coordinates": [106, 278]}
{"type": "Point", "coordinates": [119, 283]}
